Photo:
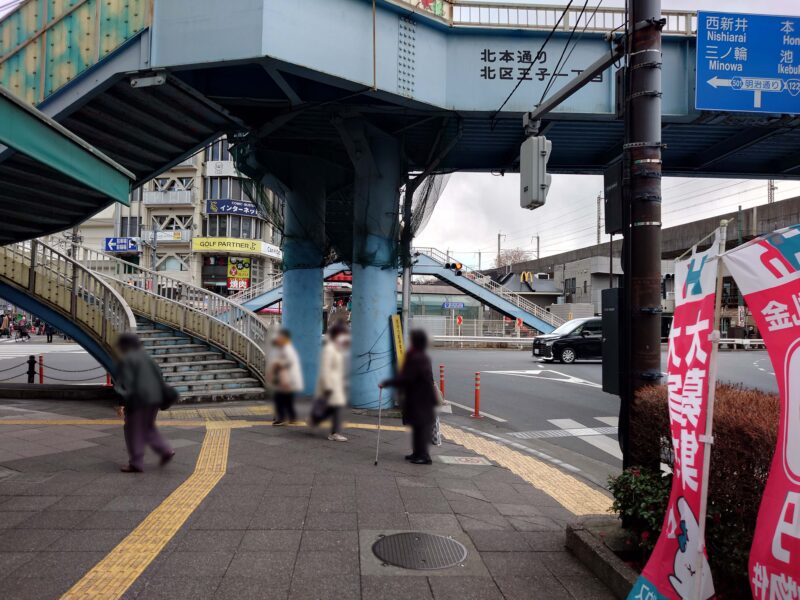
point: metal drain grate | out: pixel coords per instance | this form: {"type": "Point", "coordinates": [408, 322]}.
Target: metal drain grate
{"type": "Point", "coordinates": [419, 551]}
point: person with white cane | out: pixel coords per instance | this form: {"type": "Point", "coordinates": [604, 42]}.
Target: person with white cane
{"type": "Point", "coordinates": [415, 380]}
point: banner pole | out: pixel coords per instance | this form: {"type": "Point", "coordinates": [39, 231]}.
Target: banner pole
{"type": "Point", "coordinates": [708, 438]}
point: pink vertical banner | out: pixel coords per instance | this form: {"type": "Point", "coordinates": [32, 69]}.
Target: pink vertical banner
{"type": "Point", "coordinates": [678, 567]}
{"type": "Point", "coordinates": [767, 271]}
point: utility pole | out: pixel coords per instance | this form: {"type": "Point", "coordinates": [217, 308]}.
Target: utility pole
{"type": "Point", "coordinates": [599, 202]}
{"type": "Point", "coordinates": [536, 237]}
{"type": "Point", "coordinates": [479, 260]}
{"type": "Point", "coordinates": [641, 332]}
{"type": "Point", "coordinates": [405, 254]}
{"type": "Point", "coordinates": [740, 240]}
{"type": "Point", "coordinates": [771, 187]}
{"type": "Point", "coordinates": [499, 236]}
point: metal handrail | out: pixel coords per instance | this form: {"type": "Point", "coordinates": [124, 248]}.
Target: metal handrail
{"type": "Point", "coordinates": [272, 281]}
{"type": "Point", "coordinates": [69, 286]}
{"type": "Point", "coordinates": [186, 307]}
{"type": "Point", "coordinates": [495, 288]}
{"type": "Point", "coordinates": [476, 13]}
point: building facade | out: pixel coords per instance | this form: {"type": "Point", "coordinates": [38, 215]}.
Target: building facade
{"type": "Point", "coordinates": [194, 223]}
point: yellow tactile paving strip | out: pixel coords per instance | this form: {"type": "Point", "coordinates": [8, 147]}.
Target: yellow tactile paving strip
{"type": "Point", "coordinates": [577, 497]}
{"type": "Point", "coordinates": [113, 575]}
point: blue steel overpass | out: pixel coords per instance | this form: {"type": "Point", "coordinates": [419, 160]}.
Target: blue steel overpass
{"type": "Point", "coordinates": [333, 106]}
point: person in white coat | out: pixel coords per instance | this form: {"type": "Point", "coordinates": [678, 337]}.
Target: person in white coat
{"type": "Point", "coordinates": [285, 376]}
{"type": "Point", "coordinates": [331, 381]}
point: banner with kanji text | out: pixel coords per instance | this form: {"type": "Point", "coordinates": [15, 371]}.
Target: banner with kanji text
{"type": "Point", "coordinates": [767, 271]}
{"type": "Point", "coordinates": [678, 559]}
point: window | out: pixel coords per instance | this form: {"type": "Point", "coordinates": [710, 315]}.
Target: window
{"type": "Point", "coordinates": [569, 285]}
{"type": "Point", "coordinates": [584, 286]}
{"type": "Point", "coordinates": [218, 150]}
{"type": "Point", "coordinates": [247, 228]}
{"type": "Point", "coordinates": [236, 226]}
{"type": "Point", "coordinates": [223, 226]}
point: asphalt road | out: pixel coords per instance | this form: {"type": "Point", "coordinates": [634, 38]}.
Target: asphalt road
{"type": "Point", "coordinates": [64, 363]}
{"type": "Point", "coordinates": [560, 410]}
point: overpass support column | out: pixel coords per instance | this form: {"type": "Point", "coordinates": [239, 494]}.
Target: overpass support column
{"type": "Point", "coordinates": [303, 259]}
{"type": "Point", "coordinates": [376, 158]}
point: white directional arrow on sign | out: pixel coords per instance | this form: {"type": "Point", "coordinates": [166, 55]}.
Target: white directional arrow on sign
{"type": "Point", "coordinates": [716, 82]}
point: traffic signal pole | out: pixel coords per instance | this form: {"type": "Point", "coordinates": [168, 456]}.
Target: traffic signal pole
{"type": "Point", "coordinates": [642, 232]}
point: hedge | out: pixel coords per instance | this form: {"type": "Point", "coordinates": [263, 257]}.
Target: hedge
{"type": "Point", "coordinates": [745, 435]}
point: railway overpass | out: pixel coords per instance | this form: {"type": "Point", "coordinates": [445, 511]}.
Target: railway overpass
{"type": "Point", "coordinates": [334, 107]}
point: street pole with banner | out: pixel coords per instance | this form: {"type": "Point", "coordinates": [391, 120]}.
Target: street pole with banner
{"type": "Point", "coordinates": [767, 271]}
{"type": "Point", "coordinates": [678, 566]}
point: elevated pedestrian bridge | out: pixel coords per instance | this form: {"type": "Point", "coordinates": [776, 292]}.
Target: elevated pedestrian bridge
{"type": "Point", "coordinates": [432, 262]}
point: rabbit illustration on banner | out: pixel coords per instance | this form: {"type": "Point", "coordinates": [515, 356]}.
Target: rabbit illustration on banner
{"type": "Point", "coordinates": [683, 578]}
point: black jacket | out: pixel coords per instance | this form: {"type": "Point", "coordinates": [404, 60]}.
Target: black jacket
{"type": "Point", "coordinates": [139, 382]}
{"type": "Point", "coordinates": [415, 380]}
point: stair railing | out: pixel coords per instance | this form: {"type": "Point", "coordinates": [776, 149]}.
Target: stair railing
{"type": "Point", "coordinates": [70, 288]}
{"type": "Point", "coordinates": [495, 288]}
{"type": "Point", "coordinates": [270, 282]}
{"type": "Point", "coordinates": [185, 307]}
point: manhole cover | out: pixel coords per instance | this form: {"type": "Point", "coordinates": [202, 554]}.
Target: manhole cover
{"type": "Point", "coordinates": [419, 551]}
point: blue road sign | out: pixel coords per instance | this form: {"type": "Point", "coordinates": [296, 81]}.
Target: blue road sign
{"type": "Point", "coordinates": [452, 305]}
{"type": "Point", "coordinates": [121, 244]}
{"type": "Point", "coordinates": [748, 63]}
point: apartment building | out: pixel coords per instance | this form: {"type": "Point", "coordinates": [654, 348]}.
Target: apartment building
{"type": "Point", "coordinates": [194, 223]}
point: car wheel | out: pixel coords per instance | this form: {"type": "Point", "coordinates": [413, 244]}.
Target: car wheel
{"type": "Point", "coordinates": [568, 356]}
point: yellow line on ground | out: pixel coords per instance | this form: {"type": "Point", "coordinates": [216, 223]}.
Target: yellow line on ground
{"type": "Point", "coordinates": [576, 496]}
{"type": "Point", "coordinates": [113, 575]}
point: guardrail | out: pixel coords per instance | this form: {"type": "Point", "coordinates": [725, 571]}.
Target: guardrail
{"type": "Point", "coordinates": [70, 288]}
{"type": "Point", "coordinates": [188, 308]}
{"type": "Point", "coordinates": [468, 13]}
{"type": "Point", "coordinates": [745, 343]}
{"type": "Point", "coordinates": [270, 282]}
{"type": "Point", "coordinates": [495, 288]}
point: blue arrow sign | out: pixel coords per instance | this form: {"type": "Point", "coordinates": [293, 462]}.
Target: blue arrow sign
{"type": "Point", "coordinates": [452, 305]}
{"type": "Point", "coordinates": [748, 63]}
{"type": "Point", "coordinates": [120, 244]}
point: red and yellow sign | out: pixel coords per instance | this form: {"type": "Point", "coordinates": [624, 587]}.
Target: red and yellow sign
{"type": "Point", "coordinates": [238, 273]}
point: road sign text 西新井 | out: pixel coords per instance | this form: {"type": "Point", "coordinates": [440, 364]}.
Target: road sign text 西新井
{"type": "Point", "coordinates": [121, 244]}
{"type": "Point", "coordinates": [748, 63]}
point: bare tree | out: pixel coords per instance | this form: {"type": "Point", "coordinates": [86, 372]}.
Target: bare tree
{"type": "Point", "coordinates": [512, 256]}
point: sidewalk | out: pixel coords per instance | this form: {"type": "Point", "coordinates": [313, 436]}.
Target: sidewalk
{"type": "Point", "coordinates": [247, 510]}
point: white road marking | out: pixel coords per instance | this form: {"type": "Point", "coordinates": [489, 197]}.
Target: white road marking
{"type": "Point", "coordinates": [596, 438]}
{"type": "Point", "coordinates": [559, 433]}
{"type": "Point", "coordinates": [20, 349]}
{"type": "Point", "coordinates": [483, 414]}
{"type": "Point", "coordinates": [610, 421]}
{"type": "Point", "coordinates": [556, 376]}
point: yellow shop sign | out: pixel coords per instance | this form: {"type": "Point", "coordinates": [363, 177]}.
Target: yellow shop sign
{"type": "Point", "coordinates": [201, 244]}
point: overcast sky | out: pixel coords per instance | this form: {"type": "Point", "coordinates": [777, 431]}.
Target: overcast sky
{"type": "Point", "coordinates": [475, 207]}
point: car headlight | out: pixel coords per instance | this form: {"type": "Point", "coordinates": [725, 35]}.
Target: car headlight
{"type": "Point", "coordinates": [549, 343]}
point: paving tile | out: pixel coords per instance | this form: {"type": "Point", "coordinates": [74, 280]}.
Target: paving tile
{"type": "Point", "coordinates": [283, 519]}
{"type": "Point", "coordinates": [221, 520]}
{"type": "Point", "coordinates": [578, 580]}
{"type": "Point", "coordinates": [487, 540]}
{"type": "Point", "coordinates": [517, 510]}
{"type": "Point", "coordinates": [274, 566]}
{"type": "Point", "coordinates": [130, 502]}
{"type": "Point", "coordinates": [515, 564]}
{"type": "Point", "coordinates": [545, 541]}
{"type": "Point", "coordinates": [440, 523]}
{"type": "Point", "coordinates": [8, 520]}
{"type": "Point", "coordinates": [179, 588]}
{"type": "Point", "coordinates": [325, 588]}
{"type": "Point", "coordinates": [114, 520]}
{"type": "Point", "coordinates": [82, 502]}
{"type": "Point", "coordinates": [68, 564]}
{"type": "Point", "coordinates": [332, 521]}
{"type": "Point", "coordinates": [190, 564]}
{"type": "Point", "coordinates": [333, 563]}
{"type": "Point", "coordinates": [248, 588]}
{"type": "Point", "coordinates": [464, 588]}
{"type": "Point", "coordinates": [52, 585]}
{"type": "Point", "coordinates": [204, 540]}
{"type": "Point", "coordinates": [9, 561]}
{"type": "Point", "coordinates": [472, 522]}
{"type": "Point", "coordinates": [29, 503]}
{"type": "Point", "coordinates": [56, 519]}
{"type": "Point", "coordinates": [383, 520]}
{"type": "Point", "coordinates": [25, 540]}
{"type": "Point", "coordinates": [540, 523]}
{"type": "Point", "coordinates": [338, 541]}
{"type": "Point", "coordinates": [89, 540]}
{"type": "Point", "coordinates": [395, 588]}
{"type": "Point", "coordinates": [289, 490]}
{"type": "Point", "coordinates": [532, 588]}
{"type": "Point", "coordinates": [271, 540]}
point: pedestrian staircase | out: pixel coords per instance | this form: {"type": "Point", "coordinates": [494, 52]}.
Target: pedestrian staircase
{"type": "Point", "coordinates": [198, 371]}
{"type": "Point", "coordinates": [207, 346]}
{"type": "Point", "coordinates": [70, 297]}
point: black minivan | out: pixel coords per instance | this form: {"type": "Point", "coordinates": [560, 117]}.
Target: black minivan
{"type": "Point", "coordinates": [575, 339]}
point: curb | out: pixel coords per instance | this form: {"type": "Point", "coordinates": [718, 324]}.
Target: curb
{"type": "Point", "coordinates": [600, 560]}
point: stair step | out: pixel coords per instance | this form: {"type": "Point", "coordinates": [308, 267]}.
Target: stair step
{"type": "Point", "coordinates": [180, 357]}
{"type": "Point", "coordinates": [210, 375]}
{"type": "Point", "coordinates": [215, 384]}
{"type": "Point", "coordinates": [176, 349]}
{"type": "Point", "coordinates": [165, 341]}
{"type": "Point", "coordinates": [198, 366]}
{"type": "Point", "coordinates": [253, 393]}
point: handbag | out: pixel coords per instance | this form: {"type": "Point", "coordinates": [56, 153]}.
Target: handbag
{"type": "Point", "coordinates": [436, 433]}
{"type": "Point", "coordinates": [438, 395]}
{"type": "Point", "coordinates": [318, 409]}
{"type": "Point", "coordinates": [169, 396]}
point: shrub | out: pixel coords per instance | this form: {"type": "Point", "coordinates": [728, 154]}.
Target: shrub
{"type": "Point", "coordinates": [745, 435]}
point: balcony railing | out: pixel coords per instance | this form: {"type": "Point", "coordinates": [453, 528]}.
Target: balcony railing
{"type": "Point", "coordinates": [475, 13]}
{"type": "Point", "coordinates": [172, 198]}
{"type": "Point", "coordinates": [175, 236]}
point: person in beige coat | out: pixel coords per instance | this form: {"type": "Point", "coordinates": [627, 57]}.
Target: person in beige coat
{"type": "Point", "coordinates": [285, 377]}
{"type": "Point", "coordinates": [331, 381]}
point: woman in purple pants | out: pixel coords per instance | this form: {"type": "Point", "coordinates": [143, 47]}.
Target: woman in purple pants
{"type": "Point", "coordinates": [140, 386]}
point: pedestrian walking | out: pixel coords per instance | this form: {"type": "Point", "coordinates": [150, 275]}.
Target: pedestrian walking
{"type": "Point", "coordinates": [415, 381]}
{"type": "Point", "coordinates": [5, 327]}
{"type": "Point", "coordinates": [330, 394]}
{"type": "Point", "coordinates": [142, 392]}
{"type": "Point", "coordinates": [285, 376]}
{"type": "Point", "coordinates": [48, 331]}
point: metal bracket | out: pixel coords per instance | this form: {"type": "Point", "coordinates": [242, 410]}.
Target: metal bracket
{"type": "Point", "coordinates": [632, 145]}
{"type": "Point", "coordinates": [530, 126]}
{"type": "Point", "coordinates": [706, 439]}
{"type": "Point", "coordinates": [651, 310]}
{"type": "Point", "coordinates": [651, 375]}
{"type": "Point", "coordinates": [645, 93]}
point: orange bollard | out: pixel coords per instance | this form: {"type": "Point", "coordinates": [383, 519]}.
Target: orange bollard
{"type": "Point", "coordinates": [41, 369]}
{"type": "Point", "coordinates": [477, 412]}
{"type": "Point", "coordinates": [108, 379]}
{"type": "Point", "coordinates": [441, 380]}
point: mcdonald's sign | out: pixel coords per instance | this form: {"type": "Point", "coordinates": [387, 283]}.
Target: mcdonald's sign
{"type": "Point", "coordinates": [526, 277]}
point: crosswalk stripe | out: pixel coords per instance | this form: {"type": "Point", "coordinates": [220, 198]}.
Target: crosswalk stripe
{"type": "Point", "coordinates": [610, 421]}
{"type": "Point", "coordinates": [24, 349]}
{"type": "Point", "coordinates": [559, 433]}
{"type": "Point", "coordinates": [598, 440]}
